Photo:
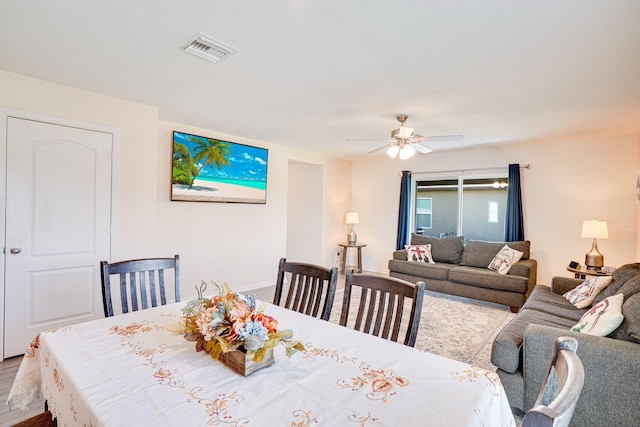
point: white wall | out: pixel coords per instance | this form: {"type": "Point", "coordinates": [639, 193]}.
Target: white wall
{"type": "Point", "coordinates": [304, 207]}
{"type": "Point", "coordinates": [237, 243]}
{"type": "Point", "coordinates": [242, 243]}
{"type": "Point", "coordinates": [570, 180]}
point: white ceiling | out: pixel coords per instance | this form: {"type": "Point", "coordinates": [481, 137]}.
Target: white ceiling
{"type": "Point", "coordinates": [312, 74]}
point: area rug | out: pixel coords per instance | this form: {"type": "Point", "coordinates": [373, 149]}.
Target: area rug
{"type": "Point", "coordinates": [458, 328]}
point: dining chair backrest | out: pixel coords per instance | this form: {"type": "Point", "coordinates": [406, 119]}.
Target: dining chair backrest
{"type": "Point", "coordinates": [140, 281]}
{"type": "Point", "coordinates": [381, 306]}
{"type": "Point", "coordinates": [561, 387]}
{"type": "Point", "coordinates": [311, 288]}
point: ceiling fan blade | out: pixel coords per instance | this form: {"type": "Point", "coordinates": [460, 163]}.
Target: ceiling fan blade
{"type": "Point", "coordinates": [388, 140]}
{"type": "Point", "coordinates": [452, 138]}
{"type": "Point", "coordinates": [384, 147]}
{"type": "Point", "coordinates": [422, 148]}
{"type": "Point", "coordinates": [407, 135]}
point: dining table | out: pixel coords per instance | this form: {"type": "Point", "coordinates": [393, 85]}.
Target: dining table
{"type": "Point", "coordinates": [137, 369]}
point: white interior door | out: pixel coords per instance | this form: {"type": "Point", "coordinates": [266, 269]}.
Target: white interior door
{"type": "Point", "coordinates": [58, 219]}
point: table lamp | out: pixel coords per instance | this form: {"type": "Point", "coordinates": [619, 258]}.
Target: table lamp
{"type": "Point", "coordinates": [352, 218]}
{"type": "Point", "coordinates": [594, 229]}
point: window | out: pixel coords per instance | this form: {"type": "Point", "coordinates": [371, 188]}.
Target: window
{"type": "Point", "coordinates": [423, 213]}
{"type": "Point", "coordinates": [472, 207]}
{"type": "Point", "coordinates": [493, 212]}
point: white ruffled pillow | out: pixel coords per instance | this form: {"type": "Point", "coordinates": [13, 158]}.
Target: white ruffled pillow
{"type": "Point", "coordinates": [603, 318]}
{"type": "Point", "coordinates": [504, 259]}
{"type": "Point", "coordinates": [583, 295]}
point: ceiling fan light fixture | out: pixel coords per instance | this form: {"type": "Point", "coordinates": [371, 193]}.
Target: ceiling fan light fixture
{"type": "Point", "coordinates": [405, 132]}
{"type": "Point", "coordinates": [404, 142]}
{"type": "Point", "coordinates": [393, 151]}
{"type": "Point", "coordinates": [407, 151]}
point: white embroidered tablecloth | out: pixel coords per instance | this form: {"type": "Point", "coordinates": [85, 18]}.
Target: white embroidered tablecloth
{"type": "Point", "coordinates": [130, 370]}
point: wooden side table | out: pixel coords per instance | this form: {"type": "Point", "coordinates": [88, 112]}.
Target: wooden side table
{"type": "Point", "coordinates": [343, 256]}
{"type": "Point", "coordinates": [582, 274]}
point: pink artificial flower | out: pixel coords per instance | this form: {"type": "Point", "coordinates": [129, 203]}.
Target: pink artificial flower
{"type": "Point", "coordinates": [235, 329]}
{"type": "Point", "coordinates": [240, 311]}
{"type": "Point", "coordinates": [268, 322]}
{"type": "Point", "coordinates": [203, 323]}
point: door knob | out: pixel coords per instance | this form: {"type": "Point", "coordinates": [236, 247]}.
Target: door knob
{"type": "Point", "coordinates": [15, 250]}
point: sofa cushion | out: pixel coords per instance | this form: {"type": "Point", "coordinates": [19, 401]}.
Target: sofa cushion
{"type": "Point", "coordinates": [629, 330]}
{"type": "Point", "coordinates": [481, 277]}
{"type": "Point", "coordinates": [506, 349]}
{"type": "Point", "coordinates": [603, 318]}
{"type": "Point", "coordinates": [448, 249]}
{"type": "Point", "coordinates": [479, 254]}
{"type": "Point", "coordinates": [437, 271]}
{"type": "Point", "coordinates": [618, 278]}
{"type": "Point", "coordinates": [630, 288]}
{"type": "Point", "coordinates": [544, 300]}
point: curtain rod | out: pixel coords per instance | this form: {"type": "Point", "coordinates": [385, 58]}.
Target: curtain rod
{"type": "Point", "coordinates": [527, 166]}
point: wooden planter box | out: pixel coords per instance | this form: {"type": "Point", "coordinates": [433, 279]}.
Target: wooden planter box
{"type": "Point", "coordinates": [243, 364]}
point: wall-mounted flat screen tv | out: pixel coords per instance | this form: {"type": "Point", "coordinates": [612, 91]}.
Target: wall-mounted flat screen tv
{"type": "Point", "coordinates": [212, 170]}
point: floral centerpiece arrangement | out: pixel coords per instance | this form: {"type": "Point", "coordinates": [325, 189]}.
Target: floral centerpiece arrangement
{"type": "Point", "coordinates": [231, 321]}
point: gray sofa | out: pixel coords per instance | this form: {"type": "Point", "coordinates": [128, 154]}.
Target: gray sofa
{"type": "Point", "coordinates": [611, 392]}
{"type": "Point", "coordinates": [461, 269]}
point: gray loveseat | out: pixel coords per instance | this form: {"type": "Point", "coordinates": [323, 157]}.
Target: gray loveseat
{"type": "Point", "coordinates": [611, 393]}
{"type": "Point", "coordinates": [461, 269]}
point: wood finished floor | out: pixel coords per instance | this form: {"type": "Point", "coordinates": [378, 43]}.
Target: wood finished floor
{"type": "Point", "coordinates": [8, 417]}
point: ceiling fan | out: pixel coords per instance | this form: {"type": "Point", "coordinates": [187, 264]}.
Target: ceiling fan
{"type": "Point", "coordinates": [404, 142]}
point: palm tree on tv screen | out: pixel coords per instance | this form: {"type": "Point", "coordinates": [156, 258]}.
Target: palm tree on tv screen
{"type": "Point", "coordinates": [183, 166]}
{"type": "Point", "coordinates": [209, 151]}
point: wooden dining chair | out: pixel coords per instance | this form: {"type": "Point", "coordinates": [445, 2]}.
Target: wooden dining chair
{"type": "Point", "coordinates": [140, 280]}
{"type": "Point", "coordinates": [561, 387]}
{"type": "Point", "coordinates": [310, 288]}
{"type": "Point", "coordinates": [381, 306]}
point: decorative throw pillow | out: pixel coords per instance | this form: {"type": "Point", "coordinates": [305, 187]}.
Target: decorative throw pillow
{"type": "Point", "coordinates": [504, 259]}
{"type": "Point", "coordinates": [603, 318]}
{"type": "Point", "coordinates": [419, 253]}
{"type": "Point", "coordinates": [583, 295]}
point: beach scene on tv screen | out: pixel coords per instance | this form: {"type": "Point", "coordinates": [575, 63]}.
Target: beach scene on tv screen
{"type": "Point", "coordinates": [213, 170]}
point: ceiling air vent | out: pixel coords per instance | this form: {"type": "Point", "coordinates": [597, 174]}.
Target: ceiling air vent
{"type": "Point", "coordinates": [208, 48]}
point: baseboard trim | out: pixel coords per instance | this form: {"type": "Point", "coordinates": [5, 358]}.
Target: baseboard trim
{"type": "Point", "coordinates": [251, 287]}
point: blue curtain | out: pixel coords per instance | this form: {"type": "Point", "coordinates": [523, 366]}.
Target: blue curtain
{"type": "Point", "coordinates": [403, 214]}
{"type": "Point", "coordinates": [514, 229]}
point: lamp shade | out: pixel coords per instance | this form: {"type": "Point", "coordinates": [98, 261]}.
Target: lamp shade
{"type": "Point", "coordinates": [594, 229]}
{"type": "Point", "coordinates": [352, 218]}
